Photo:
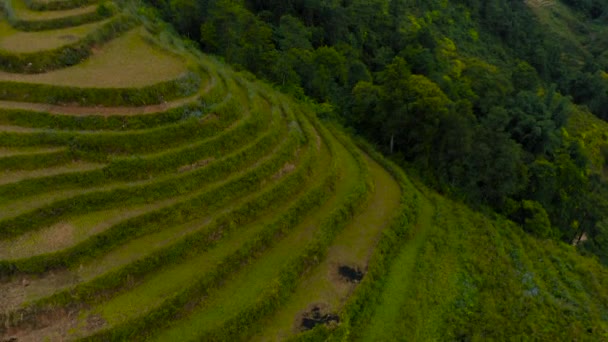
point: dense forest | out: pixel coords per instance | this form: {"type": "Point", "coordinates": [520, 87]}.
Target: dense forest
{"type": "Point", "coordinates": [475, 95]}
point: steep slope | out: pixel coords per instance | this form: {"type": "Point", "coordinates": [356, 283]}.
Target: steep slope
{"type": "Point", "coordinates": [149, 192]}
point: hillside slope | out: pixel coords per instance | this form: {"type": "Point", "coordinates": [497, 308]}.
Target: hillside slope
{"type": "Point", "coordinates": [149, 192]}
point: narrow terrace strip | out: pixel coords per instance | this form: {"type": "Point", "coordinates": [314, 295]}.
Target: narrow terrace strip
{"type": "Point", "coordinates": [15, 41]}
{"type": "Point", "coordinates": [6, 152]}
{"type": "Point", "coordinates": [124, 62]}
{"type": "Point", "coordinates": [214, 198]}
{"type": "Point", "coordinates": [383, 324]}
{"type": "Point", "coordinates": [20, 17]}
{"type": "Point", "coordinates": [261, 275]}
{"type": "Point", "coordinates": [326, 287]}
{"type": "Point", "coordinates": [243, 211]}
{"type": "Point", "coordinates": [195, 157]}
{"type": "Point", "coordinates": [177, 160]}
{"type": "Point", "coordinates": [218, 247]}
{"type": "Point", "coordinates": [24, 13]}
{"type": "Point", "coordinates": [32, 158]}
{"type": "Point", "coordinates": [7, 177]}
{"type": "Point", "coordinates": [283, 222]}
{"type": "Point", "coordinates": [196, 125]}
{"type": "Point", "coordinates": [57, 5]}
{"type": "Point", "coordinates": [101, 199]}
{"type": "Point", "coordinates": [111, 118]}
{"type": "Point", "coordinates": [19, 247]}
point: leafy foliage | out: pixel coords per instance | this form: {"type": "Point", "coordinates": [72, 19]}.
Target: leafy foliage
{"type": "Point", "coordinates": [476, 94]}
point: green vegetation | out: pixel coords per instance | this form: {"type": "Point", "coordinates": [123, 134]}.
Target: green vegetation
{"type": "Point", "coordinates": [151, 192]}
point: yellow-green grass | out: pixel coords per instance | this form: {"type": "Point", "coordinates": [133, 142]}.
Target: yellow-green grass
{"type": "Point", "coordinates": [559, 20]}
{"type": "Point", "coordinates": [23, 151]}
{"type": "Point", "coordinates": [160, 155]}
{"type": "Point", "coordinates": [383, 326]}
{"type": "Point", "coordinates": [15, 41]}
{"type": "Point", "coordinates": [76, 229]}
{"type": "Point", "coordinates": [19, 129]}
{"type": "Point", "coordinates": [592, 132]}
{"type": "Point", "coordinates": [54, 5]}
{"type": "Point", "coordinates": [7, 177]}
{"type": "Point", "coordinates": [152, 292]}
{"type": "Point", "coordinates": [121, 256]}
{"type": "Point", "coordinates": [244, 287]}
{"type": "Point", "coordinates": [473, 273]}
{"type": "Point", "coordinates": [15, 207]}
{"type": "Point", "coordinates": [208, 85]}
{"type": "Point", "coordinates": [37, 237]}
{"type": "Point", "coordinates": [130, 250]}
{"type": "Point", "coordinates": [24, 13]}
{"type": "Point", "coordinates": [125, 62]}
{"type": "Point", "coordinates": [146, 244]}
{"type": "Point", "coordinates": [352, 247]}
{"type": "Point", "coordinates": [143, 188]}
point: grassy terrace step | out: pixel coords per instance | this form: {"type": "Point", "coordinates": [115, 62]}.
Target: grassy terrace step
{"type": "Point", "coordinates": [7, 152]}
{"type": "Point", "coordinates": [113, 118]}
{"type": "Point", "coordinates": [31, 159]}
{"type": "Point", "coordinates": [293, 215]}
{"type": "Point", "coordinates": [213, 198]}
{"type": "Point", "coordinates": [153, 191]}
{"type": "Point", "coordinates": [324, 286]}
{"type": "Point", "coordinates": [22, 18]}
{"type": "Point", "coordinates": [73, 167]}
{"type": "Point", "coordinates": [149, 191]}
{"type": "Point", "coordinates": [185, 211]}
{"type": "Point", "coordinates": [95, 82]}
{"type": "Point", "coordinates": [130, 54]}
{"type": "Point", "coordinates": [382, 325]}
{"type": "Point", "coordinates": [57, 5]}
{"type": "Point", "coordinates": [39, 52]}
{"type": "Point", "coordinates": [215, 148]}
{"type": "Point", "coordinates": [360, 306]}
{"type": "Point", "coordinates": [20, 42]}
{"type": "Point", "coordinates": [241, 212]}
{"type": "Point", "coordinates": [184, 253]}
{"type": "Point", "coordinates": [195, 125]}
{"type": "Point", "coordinates": [146, 192]}
{"type": "Point", "coordinates": [199, 152]}
{"type": "Point", "coordinates": [263, 284]}
{"type": "Point", "coordinates": [253, 207]}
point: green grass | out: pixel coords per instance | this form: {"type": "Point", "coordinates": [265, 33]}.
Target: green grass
{"type": "Point", "coordinates": [76, 229]}
{"type": "Point", "coordinates": [153, 291]}
{"type": "Point", "coordinates": [139, 64]}
{"type": "Point", "coordinates": [352, 247]}
{"type": "Point", "coordinates": [73, 167]}
{"type": "Point", "coordinates": [55, 5]}
{"type": "Point", "coordinates": [25, 13]}
{"type": "Point", "coordinates": [383, 326]}
{"type": "Point", "coordinates": [247, 285]}
{"type": "Point", "coordinates": [16, 41]}
{"type": "Point", "coordinates": [223, 215]}
{"type": "Point", "coordinates": [592, 132]}
{"type": "Point", "coordinates": [17, 151]}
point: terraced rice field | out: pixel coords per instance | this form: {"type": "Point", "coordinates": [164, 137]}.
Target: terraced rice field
{"type": "Point", "coordinates": [149, 192]}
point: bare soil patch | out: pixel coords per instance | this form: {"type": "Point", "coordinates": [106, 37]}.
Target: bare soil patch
{"type": "Point", "coordinates": [350, 274]}
{"type": "Point", "coordinates": [314, 315]}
